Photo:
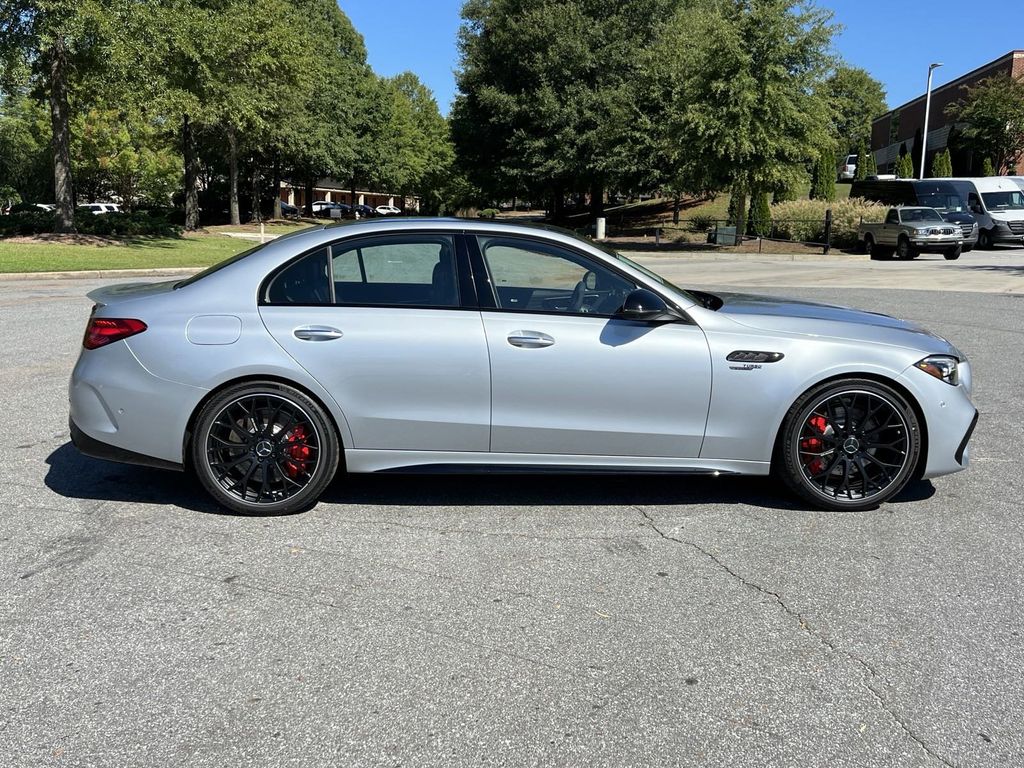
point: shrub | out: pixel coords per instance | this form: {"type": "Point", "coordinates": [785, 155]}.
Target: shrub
{"type": "Point", "coordinates": [701, 223]}
{"type": "Point", "coordinates": [760, 216]}
{"type": "Point", "coordinates": [942, 165]}
{"type": "Point", "coordinates": [987, 168]}
{"type": "Point", "coordinates": [488, 213]}
{"type": "Point", "coordinates": [823, 181]}
{"type": "Point", "coordinates": [804, 220]}
{"type": "Point", "coordinates": [138, 224]}
{"type": "Point", "coordinates": [737, 202]}
{"type": "Point", "coordinates": [868, 161]}
{"type": "Point", "coordinates": [905, 167]}
{"type": "Point", "coordinates": [862, 166]}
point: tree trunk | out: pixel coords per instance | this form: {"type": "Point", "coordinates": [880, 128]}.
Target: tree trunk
{"type": "Point", "coordinates": [354, 214]}
{"type": "Point", "coordinates": [257, 197]}
{"type": "Point", "coordinates": [675, 210]}
{"type": "Point", "coordinates": [236, 217]}
{"type": "Point", "coordinates": [309, 196]}
{"type": "Point", "coordinates": [62, 182]}
{"type": "Point", "coordinates": [277, 188]}
{"type": "Point", "coordinates": [596, 199]}
{"type": "Point", "coordinates": [188, 150]}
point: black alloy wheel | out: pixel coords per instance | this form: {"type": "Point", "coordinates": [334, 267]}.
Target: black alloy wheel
{"type": "Point", "coordinates": [850, 445]}
{"type": "Point", "coordinates": [264, 449]}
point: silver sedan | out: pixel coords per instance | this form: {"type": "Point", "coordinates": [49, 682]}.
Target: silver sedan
{"type": "Point", "coordinates": [432, 345]}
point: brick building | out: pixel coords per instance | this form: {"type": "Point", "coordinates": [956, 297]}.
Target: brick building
{"type": "Point", "coordinates": [903, 126]}
{"type": "Point", "coordinates": [337, 192]}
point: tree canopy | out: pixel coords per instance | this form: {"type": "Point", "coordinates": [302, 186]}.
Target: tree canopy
{"type": "Point", "coordinates": [993, 117]}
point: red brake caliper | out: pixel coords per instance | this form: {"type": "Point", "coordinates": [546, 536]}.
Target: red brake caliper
{"type": "Point", "coordinates": [814, 444]}
{"type": "Point", "coordinates": [297, 450]}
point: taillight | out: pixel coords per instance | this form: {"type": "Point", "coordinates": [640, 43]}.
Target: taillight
{"type": "Point", "coordinates": [104, 330]}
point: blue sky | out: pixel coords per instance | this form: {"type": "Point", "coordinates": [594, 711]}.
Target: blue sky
{"type": "Point", "coordinates": [895, 40]}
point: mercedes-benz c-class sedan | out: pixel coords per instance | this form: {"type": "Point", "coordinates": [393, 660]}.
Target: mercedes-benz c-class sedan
{"type": "Point", "coordinates": [432, 345]}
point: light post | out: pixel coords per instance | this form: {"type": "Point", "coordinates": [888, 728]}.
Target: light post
{"type": "Point", "coordinates": [927, 111]}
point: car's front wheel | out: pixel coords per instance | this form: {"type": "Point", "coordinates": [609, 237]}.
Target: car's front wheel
{"type": "Point", "coordinates": [264, 448]}
{"type": "Point", "coordinates": [849, 444]}
{"type": "Point", "coordinates": [904, 250]}
{"type": "Point", "coordinates": [953, 253]}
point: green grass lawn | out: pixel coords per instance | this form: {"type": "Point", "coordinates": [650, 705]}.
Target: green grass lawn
{"type": "Point", "coordinates": [140, 253]}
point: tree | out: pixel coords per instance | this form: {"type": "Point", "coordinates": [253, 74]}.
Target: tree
{"type": "Point", "coordinates": [25, 155]}
{"type": "Point", "coordinates": [993, 116]}
{"type": "Point", "coordinates": [862, 161]}
{"type": "Point", "coordinates": [823, 179]}
{"type": "Point", "coordinates": [58, 44]}
{"type": "Point", "coordinates": [750, 102]}
{"type": "Point", "coordinates": [760, 215]}
{"type": "Point", "coordinates": [544, 103]}
{"type": "Point", "coordinates": [988, 167]}
{"type": "Point", "coordinates": [868, 161]}
{"type": "Point", "coordinates": [942, 165]}
{"type": "Point", "coordinates": [905, 167]}
{"type": "Point", "coordinates": [855, 100]}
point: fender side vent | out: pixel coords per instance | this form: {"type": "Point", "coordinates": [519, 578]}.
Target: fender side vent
{"type": "Point", "coordinates": [746, 356]}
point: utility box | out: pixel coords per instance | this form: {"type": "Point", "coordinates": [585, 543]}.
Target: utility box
{"type": "Point", "coordinates": [725, 236]}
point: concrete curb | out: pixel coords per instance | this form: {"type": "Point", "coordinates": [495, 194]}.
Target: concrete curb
{"type": "Point", "coordinates": [95, 274]}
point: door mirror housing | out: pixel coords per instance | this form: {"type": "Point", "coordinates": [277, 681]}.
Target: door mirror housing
{"type": "Point", "coordinates": [648, 307]}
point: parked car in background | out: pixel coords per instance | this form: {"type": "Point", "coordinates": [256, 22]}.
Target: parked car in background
{"type": "Point", "coordinates": [997, 202]}
{"type": "Point", "coordinates": [363, 211]}
{"type": "Point", "coordinates": [847, 168]}
{"type": "Point", "coordinates": [326, 210]}
{"type": "Point", "coordinates": [910, 231]}
{"type": "Point", "coordinates": [289, 211]}
{"type": "Point", "coordinates": [388, 210]}
{"type": "Point", "coordinates": [940, 194]}
{"type": "Point", "coordinates": [100, 208]}
{"type": "Point", "coordinates": [31, 208]}
{"type": "Point", "coordinates": [432, 345]}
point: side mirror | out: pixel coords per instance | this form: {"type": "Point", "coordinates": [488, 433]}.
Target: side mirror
{"type": "Point", "coordinates": [647, 307]}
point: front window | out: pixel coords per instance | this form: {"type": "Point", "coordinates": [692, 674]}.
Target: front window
{"type": "Point", "coordinates": [1003, 201]}
{"type": "Point", "coordinates": [943, 202]}
{"type": "Point", "coordinates": [531, 276]}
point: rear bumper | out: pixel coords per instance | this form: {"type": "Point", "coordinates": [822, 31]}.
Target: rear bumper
{"type": "Point", "coordinates": [97, 449]}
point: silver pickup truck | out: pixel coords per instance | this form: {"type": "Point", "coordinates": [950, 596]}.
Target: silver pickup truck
{"type": "Point", "coordinates": [909, 231]}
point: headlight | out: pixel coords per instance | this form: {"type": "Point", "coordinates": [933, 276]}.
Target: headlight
{"type": "Point", "coordinates": [941, 367]}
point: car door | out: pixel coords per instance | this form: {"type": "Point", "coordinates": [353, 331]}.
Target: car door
{"type": "Point", "coordinates": [385, 325]}
{"type": "Point", "coordinates": [570, 378]}
{"type": "Point", "coordinates": [891, 228]}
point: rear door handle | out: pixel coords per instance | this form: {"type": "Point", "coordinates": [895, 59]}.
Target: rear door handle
{"type": "Point", "coordinates": [317, 333]}
{"type": "Point", "coordinates": [530, 339]}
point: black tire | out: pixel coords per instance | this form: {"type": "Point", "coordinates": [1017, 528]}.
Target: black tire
{"type": "Point", "coordinates": [904, 250]}
{"type": "Point", "coordinates": [849, 445]}
{"type": "Point", "coordinates": [870, 248]}
{"type": "Point", "coordinates": [264, 448]}
{"type": "Point", "coordinates": [985, 241]}
{"type": "Point", "coordinates": [953, 254]}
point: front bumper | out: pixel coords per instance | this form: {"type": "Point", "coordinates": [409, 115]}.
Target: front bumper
{"type": "Point", "coordinates": [949, 418]}
{"type": "Point", "coordinates": [1001, 233]}
{"type": "Point", "coordinates": [931, 244]}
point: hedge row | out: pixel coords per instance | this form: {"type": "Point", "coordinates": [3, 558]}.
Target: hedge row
{"type": "Point", "coordinates": [138, 224]}
{"type": "Point", "coordinates": [804, 220]}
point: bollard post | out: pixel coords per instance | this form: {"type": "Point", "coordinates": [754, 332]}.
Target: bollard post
{"type": "Point", "coordinates": [657, 236]}
{"type": "Point", "coordinates": [828, 231]}
{"type": "Point", "coordinates": [600, 228]}
{"type": "Point", "coordinates": [263, 238]}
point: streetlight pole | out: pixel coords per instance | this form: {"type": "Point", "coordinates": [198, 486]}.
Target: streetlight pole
{"type": "Point", "coordinates": [927, 114]}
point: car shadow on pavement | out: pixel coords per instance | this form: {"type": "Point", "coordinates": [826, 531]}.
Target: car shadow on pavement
{"type": "Point", "coordinates": [74, 475]}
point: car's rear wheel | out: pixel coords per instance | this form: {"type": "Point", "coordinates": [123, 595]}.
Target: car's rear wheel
{"type": "Point", "coordinates": [849, 444]}
{"type": "Point", "coordinates": [264, 448]}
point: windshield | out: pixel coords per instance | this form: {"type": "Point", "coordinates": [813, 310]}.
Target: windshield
{"type": "Point", "coordinates": [1004, 201]}
{"type": "Point", "coordinates": [920, 214]}
{"type": "Point", "coordinates": [943, 201]}
{"type": "Point", "coordinates": [653, 275]}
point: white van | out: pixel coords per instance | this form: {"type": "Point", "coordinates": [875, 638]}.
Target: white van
{"type": "Point", "coordinates": [997, 202]}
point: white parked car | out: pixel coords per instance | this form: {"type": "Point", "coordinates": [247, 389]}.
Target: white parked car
{"type": "Point", "coordinates": [100, 208]}
{"type": "Point", "coordinates": [847, 168]}
{"type": "Point", "coordinates": [388, 210]}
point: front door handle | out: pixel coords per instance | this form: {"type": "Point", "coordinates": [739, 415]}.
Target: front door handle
{"type": "Point", "coordinates": [530, 339]}
{"type": "Point", "coordinates": [317, 333]}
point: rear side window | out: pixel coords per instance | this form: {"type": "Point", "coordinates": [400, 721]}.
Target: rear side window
{"type": "Point", "coordinates": [408, 270]}
{"type": "Point", "coordinates": [302, 282]}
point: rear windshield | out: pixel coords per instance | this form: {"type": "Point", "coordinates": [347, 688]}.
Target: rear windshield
{"type": "Point", "coordinates": [220, 265]}
{"type": "Point", "coordinates": [920, 214]}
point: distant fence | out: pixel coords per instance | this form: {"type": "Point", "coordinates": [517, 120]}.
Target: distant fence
{"type": "Point", "coordinates": [816, 232]}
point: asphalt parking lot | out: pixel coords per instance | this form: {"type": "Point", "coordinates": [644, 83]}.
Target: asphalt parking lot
{"type": "Point", "coordinates": [510, 621]}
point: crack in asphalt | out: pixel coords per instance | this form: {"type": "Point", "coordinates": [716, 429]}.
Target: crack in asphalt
{"type": "Point", "coordinates": [869, 672]}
